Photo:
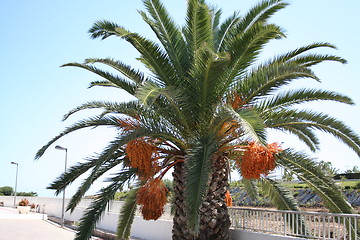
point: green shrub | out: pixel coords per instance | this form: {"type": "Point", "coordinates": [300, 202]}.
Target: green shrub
{"type": "Point", "coordinates": [357, 185]}
{"type": "Point", "coordinates": [120, 196]}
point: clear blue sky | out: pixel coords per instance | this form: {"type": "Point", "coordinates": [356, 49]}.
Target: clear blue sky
{"type": "Point", "coordinates": [38, 36]}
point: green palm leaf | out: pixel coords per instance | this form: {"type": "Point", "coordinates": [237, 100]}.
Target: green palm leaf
{"type": "Point", "coordinates": [112, 80]}
{"type": "Point", "coordinates": [304, 168]}
{"type": "Point", "coordinates": [90, 122]}
{"type": "Point", "coordinates": [268, 78]}
{"type": "Point", "coordinates": [251, 124]}
{"type": "Point", "coordinates": [292, 97]}
{"type": "Point", "coordinates": [126, 70]}
{"type": "Point", "coordinates": [257, 15]}
{"type": "Point", "coordinates": [206, 73]}
{"type": "Point", "coordinates": [71, 175]}
{"type": "Point", "coordinates": [251, 188]}
{"type": "Point", "coordinates": [318, 121]}
{"type": "Point", "coordinates": [245, 48]}
{"type": "Point", "coordinates": [226, 28]}
{"type": "Point", "coordinates": [284, 200]}
{"type": "Point", "coordinates": [168, 33]}
{"type": "Point", "coordinates": [95, 211]}
{"type": "Point", "coordinates": [280, 196]}
{"type": "Point", "coordinates": [131, 108]}
{"type": "Point", "coordinates": [198, 27]}
{"type": "Point", "coordinates": [294, 55]}
{"type": "Point", "coordinates": [127, 215]}
{"type": "Point", "coordinates": [197, 176]}
{"type": "Point", "coordinates": [101, 166]}
{"type": "Point", "coordinates": [151, 54]}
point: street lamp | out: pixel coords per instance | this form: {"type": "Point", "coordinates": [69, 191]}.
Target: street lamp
{"type": "Point", "coordinates": [17, 166]}
{"type": "Point", "coordinates": [63, 200]}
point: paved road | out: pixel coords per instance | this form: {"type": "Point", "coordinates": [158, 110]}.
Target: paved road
{"type": "Point", "coordinates": [14, 226]}
{"type": "Point", "coordinates": [32, 226]}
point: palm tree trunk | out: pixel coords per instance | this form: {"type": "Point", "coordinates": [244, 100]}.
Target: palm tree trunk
{"type": "Point", "coordinates": [215, 220]}
{"type": "Point", "coordinates": [180, 230]}
{"type": "Point", "coordinates": [214, 217]}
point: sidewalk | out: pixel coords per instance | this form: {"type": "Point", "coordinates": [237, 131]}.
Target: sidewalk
{"type": "Point", "coordinates": [30, 226]}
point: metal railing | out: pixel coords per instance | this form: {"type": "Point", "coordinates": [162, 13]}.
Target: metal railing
{"type": "Point", "coordinates": [313, 225]}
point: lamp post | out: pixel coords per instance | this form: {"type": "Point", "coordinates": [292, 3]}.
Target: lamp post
{"type": "Point", "coordinates": [63, 200]}
{"type": "Point", "coordinates": [17, 166]}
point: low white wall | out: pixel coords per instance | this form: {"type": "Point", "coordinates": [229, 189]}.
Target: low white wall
{"type": "Point", "coordinates": [245, 235]}
{"type": "Point", "coordinates": [160, 229]}
{"type": "Point", "coordinates": [147, 230]}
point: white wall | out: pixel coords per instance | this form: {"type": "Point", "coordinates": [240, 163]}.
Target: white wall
{"type": "Point", "coordinates": [245, 235]}
{"type": "Point", "coordinates": [147, 230]}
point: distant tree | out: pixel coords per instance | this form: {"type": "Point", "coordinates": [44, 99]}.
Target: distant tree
{"type": "Point", "coordinates": [169, 185]}
{"type": "Point", "coordinates": [355, 169]}
{"type": "Point", "coordinates": [6, 191]}
{"type": "Point", "coordinates": [27, 194]}
{"type": "Point", "coordinates": [287, 176]}
{"type": "Point", "coordinates": [236, 184]}
{"type": "Point", "coordinates": [120, 196]}
{"type": "Point", "coordinates": [328, 169]}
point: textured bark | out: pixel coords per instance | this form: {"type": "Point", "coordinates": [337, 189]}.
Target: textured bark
{"type": "Point", "coordinates": [214, 217]}
{"type": "Point", "coordinates": [180, 229]}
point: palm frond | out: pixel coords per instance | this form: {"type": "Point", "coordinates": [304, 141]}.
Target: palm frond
{"type": "Point", "coordinates": [225, 29]}
{"type": "Point", "coordinates": [109, 158]}
{"type": "Point", "coordinates": [251, 124]}
{"type": "Point", "coordinates": [279, 195]}
{"type": "Point", "coordinates": [262, 12]}
{"type": "Point", "coordinates": [245, 48]}
{"type": "Point", "coordinates": [113, 80]}
{"type": "Point", "coordinates": [90, 122]}
{"type": "Point", "coordinates": [258, 15]}
{"type": "Point", "coordinates": [295, 53]}
{"type": "Point", "coordinates": [251, 188]}
{"type": "Point", "coordinates": [148, 93]}
{"type": "Point", "coordinates": [198, 166]}
{"type": "Point", "coordinates": [168, 33]}
{"type": "Point", "coordinates": [320, 121]}
{"type": "Point", "coordinates": [71, 175]}
{"type": "Point", "coordinates": [102, 83]}
{"type": "Point", "coordinates": [298, 96]}
{"type": "Point", "coordinates": [215, 22]}
{"type": "Point", "coordinates": [168, 102]}
{"type": "Point", "coordinates": [207, 72]}
{"type": "Point", "coordinates": [155, 128]}
{"type": "Point", "coordinates": [313, 59]}
{"type": "Point", "coordinates": [306, 169]}
{"type": "Point", "coordinates": [152, 55]}
{"type": "Point", "coordinates": [304, 134]}
{"type": "Point", "coordinates": [198, 27]}
{"type": "Point", "coordinates": [126, 70]}
{"type": "Point", "coordinates": [266, 79]}
{"type": "Point", "coordinates": [131, 108]}
{"type": "Point", "coordinates": [284, 200]}
{"type": "Point", "coordinates": [312, 174]}
{"type": "Point", "coordinates": [96, 209]}
{"type": "Point", "coordinates": [127, 215]}
{"type": "Point", "coordinates": [103, 29]}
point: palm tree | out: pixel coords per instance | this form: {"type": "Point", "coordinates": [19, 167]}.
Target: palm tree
{"type": "Point", "coordinates": [205, 105]}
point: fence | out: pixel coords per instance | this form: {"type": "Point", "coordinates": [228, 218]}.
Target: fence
{"type": "Point", "coordinates": [311, 225]}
